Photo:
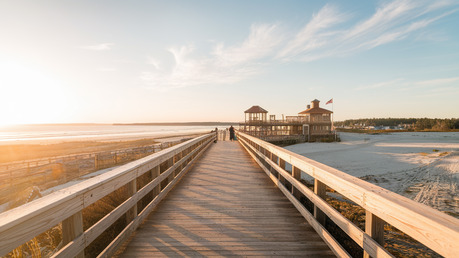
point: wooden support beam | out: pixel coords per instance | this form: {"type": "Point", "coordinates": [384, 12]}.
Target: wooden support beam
{"type": "Point", "coordinates": [282, 163]}
{"type": "Point", "coordinates": [296, 173]}
{"type": "Point", "coordinates": [155, 172]}
{"type": "Point", "coordinates": [374, 227]}
{"type": "Point", "coordinates": [170, 163]}
{"type": "Point", "coordinates": [131, 214]}
{"type": "Point", "coordinates": [72, 228]}
{"type": "Point", "coordinates": [320, 190]}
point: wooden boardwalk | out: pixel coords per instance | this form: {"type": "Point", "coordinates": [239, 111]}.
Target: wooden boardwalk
{"type": "Point", "coordinates": [225, 206]}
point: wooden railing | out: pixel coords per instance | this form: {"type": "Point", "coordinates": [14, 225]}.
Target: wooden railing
{"type": "Point", "coordinates": [165, 168]}
{"type": "Point", "coordinates": [49, 172]}
{"type": "Point", "coordinates": [436, 230]}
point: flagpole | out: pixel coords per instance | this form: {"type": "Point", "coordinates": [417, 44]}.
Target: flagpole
{"type": "Point", "coordinates": [333, 113]}
{"type": "Point", "coordinates": [333, 117]}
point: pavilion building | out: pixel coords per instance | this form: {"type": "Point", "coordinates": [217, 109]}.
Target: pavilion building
{"type": "Point", "coordinates": [312, 124]}
{"type": "Point", "coordinates": [317, 120]}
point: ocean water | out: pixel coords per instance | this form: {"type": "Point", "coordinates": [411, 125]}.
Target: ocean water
{"type": "Point", "coordinates": [59, 133]}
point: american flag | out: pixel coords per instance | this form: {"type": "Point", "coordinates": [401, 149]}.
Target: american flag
{"type": "Point", "coordinates": [330, 101]}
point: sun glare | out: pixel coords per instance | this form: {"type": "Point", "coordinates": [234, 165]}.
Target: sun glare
{"type": "Point", "coordinates": [29, 96]}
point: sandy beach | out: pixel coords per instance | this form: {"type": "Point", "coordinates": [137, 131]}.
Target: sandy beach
{"type": "Point", "coordinates": [36, 149]}
{"type": "Point", "coordinates": [421, 166]}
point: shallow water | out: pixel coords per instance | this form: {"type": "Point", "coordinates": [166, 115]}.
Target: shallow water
{"type": "Point", "coordinates": [59, 133]}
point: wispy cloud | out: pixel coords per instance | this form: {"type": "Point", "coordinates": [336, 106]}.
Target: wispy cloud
{"type": "Point", "coordinates": [329, 33]}
{"type": "Point", "coordinates": [381, 84]}
{"type": "Point", "coordinates": [439, 81]}
{"type": "Point", "coordinates": [263, 39]}
{"type": "Point", "coordinates": [224, 65]}
{"type": "Point", "coordinates": [314, 35]}
{"type": "Point", "coordinates": [99, 47]}
{"type": "Point", "coordinates": [406, 85]}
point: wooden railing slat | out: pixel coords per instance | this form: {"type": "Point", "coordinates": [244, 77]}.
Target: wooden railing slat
{"type": "Point", "coordinates": [374, 227]}
{"type": "Point", "coordinates": [320, 190]}
{"type": "Point", "coordinates": [72, 228]}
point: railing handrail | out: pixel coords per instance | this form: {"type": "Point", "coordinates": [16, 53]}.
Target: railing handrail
{"type": "Point", "coordinates": [27, 221]}
{"type": "Point", "coordinates": [435, 229]}
{"type": "Point", "coordinates": [76, 155]}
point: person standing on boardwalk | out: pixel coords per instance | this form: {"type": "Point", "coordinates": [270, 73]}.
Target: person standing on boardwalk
{"type": "Point", "coordinates": [216, 134]}
{"type": "Point", "coordinates": [231, 130]}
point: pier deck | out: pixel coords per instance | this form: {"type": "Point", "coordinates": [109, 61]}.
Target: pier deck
{"type": "Point", "coordinates": [225, 206]}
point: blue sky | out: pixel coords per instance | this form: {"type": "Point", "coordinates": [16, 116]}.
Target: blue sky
{"type": "Point", "coordinates": [158, 61]}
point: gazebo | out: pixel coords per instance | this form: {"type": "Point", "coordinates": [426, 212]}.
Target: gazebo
{"type": "Point", "coordinates": [256, 114]}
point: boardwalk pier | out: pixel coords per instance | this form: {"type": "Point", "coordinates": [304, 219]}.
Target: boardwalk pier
{"type": "Point", "coordinates": [226, 206]}
{"type": "Point", "coordinates": [205, 198]}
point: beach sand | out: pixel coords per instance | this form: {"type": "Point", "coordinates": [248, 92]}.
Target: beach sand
{"type": "Point", "coordinates": [420, 166]}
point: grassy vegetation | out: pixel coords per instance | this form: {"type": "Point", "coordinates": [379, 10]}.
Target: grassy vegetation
{"type": "Point", "coordinates": [435, 124]}
{"type": "Point", "coordinates": [367, 131]}
{"type": "Point", "coordinates": [346, 130]}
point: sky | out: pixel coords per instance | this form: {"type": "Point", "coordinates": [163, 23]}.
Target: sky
{"type": "Point", "coordinates": [183, 61]}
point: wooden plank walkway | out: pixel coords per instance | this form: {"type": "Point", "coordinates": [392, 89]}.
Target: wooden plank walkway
{"type": "Point", "coordinates": [225, 206]}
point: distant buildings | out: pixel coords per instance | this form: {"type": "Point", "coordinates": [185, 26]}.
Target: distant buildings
{"type": "Point", "coordinates": [312, 124]}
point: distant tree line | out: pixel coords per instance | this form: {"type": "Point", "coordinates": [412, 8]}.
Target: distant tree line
{"type": "Point", "coordinates": [408, 123]}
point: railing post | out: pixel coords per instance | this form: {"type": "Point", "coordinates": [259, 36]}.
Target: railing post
{"type": "Point", "coordinates": [319, 190]}
{"type": "Point", "coordinates": [282, 163]}
{"type": "Point", "coordinates": [177, 158]}
{"type": "Point", "coordinates": [170, 163]}
{"type": "Point", "coordinates": [155, 172]}
{"type": "Point", "coordinates": [270, 157]}
{"type": "Point", "coordinates": [374, 227]}
{"type": "Point", "coordinates": [131, 190]}
{"type": "Point", "coordinates": [96, 161]}
{"type": "Point", "coordinates": [296, 173]}
{"type": "Point", "coordinates": [72, 228]}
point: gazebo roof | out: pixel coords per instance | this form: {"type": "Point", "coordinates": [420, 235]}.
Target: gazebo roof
{"type": "Point", "coordinates": [256, 109]}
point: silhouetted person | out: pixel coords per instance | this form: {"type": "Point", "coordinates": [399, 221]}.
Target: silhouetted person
{"type": "Point", "coordinates": [216, 134]}
{"type": "Point", "coordinates": [231, 129]}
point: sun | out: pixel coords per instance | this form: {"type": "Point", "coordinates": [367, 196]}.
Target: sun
{"type": "Point", "coordinates": [29, 96]}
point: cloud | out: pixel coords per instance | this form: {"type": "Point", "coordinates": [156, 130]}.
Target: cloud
{"type": "Point", "coordinates": [225, 65]}
{"type": "Point", "coordinates": [405, 85]}
{"type": "Point", "coordinates": [329, 33]}
{"type": "Point", "coordinates": [99, 47]}
{"type": "Point", "coordinates": [381, 85]}
{"type": "Point", "coordinates": [313, 35]}
{"type": "Point", "coordinates": [263, 39]}
{"type": "Point", "coordinates": [438, 81]}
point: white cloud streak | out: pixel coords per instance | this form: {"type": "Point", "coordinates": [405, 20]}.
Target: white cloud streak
{"type": "Point", "coordinates": [225, 65]}
{"type": "Point", "coordinates": [439, 81]}
{"type": "Point", "coordinates": [405, 85]}
{"type": "Point", "coordinates": [381, 85]}
{"type": "Point", "coordinates": [329, 33]}
{"type": "Point", "coordinates": [314, 35]}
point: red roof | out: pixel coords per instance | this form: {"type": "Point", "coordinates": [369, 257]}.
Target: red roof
{"type": "Point", "coordinates": [315, 110]}
{"type": "Point", "coordinates": [256, 109]}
